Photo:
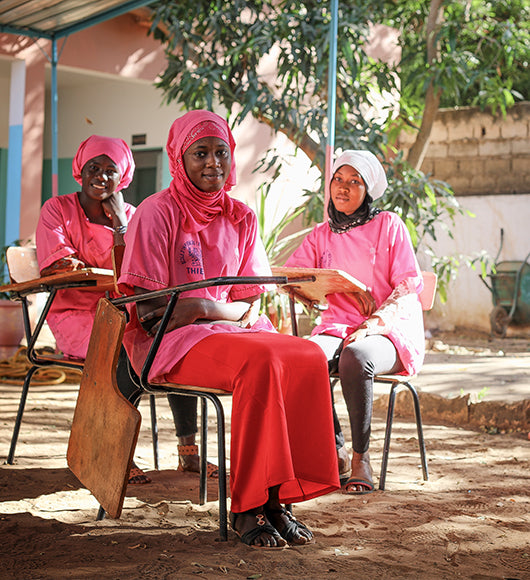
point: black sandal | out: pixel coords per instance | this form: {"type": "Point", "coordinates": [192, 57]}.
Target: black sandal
{"type": "Point", "coordinates": [262, 526]}
{"type": "Point", "coordinates": [291, 530]}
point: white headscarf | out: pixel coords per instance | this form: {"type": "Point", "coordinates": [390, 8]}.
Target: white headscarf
{"type": "Point", "coordinates": [368, 166]}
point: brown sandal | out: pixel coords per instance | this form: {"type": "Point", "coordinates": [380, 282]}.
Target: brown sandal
{"type": "Point", "coordinates": [137, 476]}
{"type": "Point", "coordinates": [189, 450]}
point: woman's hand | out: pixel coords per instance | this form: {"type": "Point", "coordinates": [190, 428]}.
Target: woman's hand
{"type": "Point", "coordinates": [370, 326]}
{"type": "Point", "coordinates": [190, 310]}
{"type": "Point", "coordinates": [66, 264]}
{"type": "Point", "coordinates": [114, 208]}
{"type": "Point", "coordinates": [186, 311]}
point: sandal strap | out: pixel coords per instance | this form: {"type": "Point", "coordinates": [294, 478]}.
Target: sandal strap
{"type": "Point", "coordinates": [292, 526]}
{"type": "Point", "coordinates": [188, 449]}
{"type": "Point", "coordinates": [212, 470]}
{"type": "Point", "coordinates": [262, 527]}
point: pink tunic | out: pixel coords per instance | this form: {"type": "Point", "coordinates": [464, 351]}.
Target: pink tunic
{"type": "Point", "coordinates": [279, 383]}
{"type": "Point", "coordinates": [379, 254]}
{"type": "Point", "coordinates": [63, 230]}
{"type": "Point", "coordinates": [177, 257]}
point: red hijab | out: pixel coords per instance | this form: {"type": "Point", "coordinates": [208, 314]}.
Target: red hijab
{"type": "Point", "coordinates": [115, 149]}
{"type": "Point", "coordinates": [199, 208]}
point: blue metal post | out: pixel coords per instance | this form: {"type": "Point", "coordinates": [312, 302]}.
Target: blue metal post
{"type": "Point", "coordinates": [332, 97]}
{"type": "Point", "coordinates": [54, 121]}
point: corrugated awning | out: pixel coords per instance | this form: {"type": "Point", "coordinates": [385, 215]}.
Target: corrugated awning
{"type": "Point", "coordinates": [58, 18]}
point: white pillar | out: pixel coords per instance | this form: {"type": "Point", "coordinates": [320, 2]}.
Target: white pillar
{"type": "Point", "coordinates": [14, 152]}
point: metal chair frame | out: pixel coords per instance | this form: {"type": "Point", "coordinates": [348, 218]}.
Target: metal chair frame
{"type": "Point", "coordinates": [396, 381]}
{"type": "Point", "coordinates": [20, 291]}
{"type": "Point", "coordinates": [204, 394]}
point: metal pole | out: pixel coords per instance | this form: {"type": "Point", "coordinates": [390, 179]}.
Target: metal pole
{"type": "Point", "coordinates": [332, 98]}
{"type": "Point", "coordinates": [54, 121]}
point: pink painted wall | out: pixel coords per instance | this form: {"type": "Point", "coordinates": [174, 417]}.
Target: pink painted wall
{"type": "Point", "coordinates": [117, 47]}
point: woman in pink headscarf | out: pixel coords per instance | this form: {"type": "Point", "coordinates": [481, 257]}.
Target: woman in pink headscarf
{"type": "Point", "coordinates": [79, 230]}
{"type": "Point", "coordinates": [374, 247]}
{"type": "Point", "coordinates": [193, 231]}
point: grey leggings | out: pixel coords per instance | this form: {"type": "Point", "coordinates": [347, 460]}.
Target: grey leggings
{"type": "Point", "coordinates": [357, 365]}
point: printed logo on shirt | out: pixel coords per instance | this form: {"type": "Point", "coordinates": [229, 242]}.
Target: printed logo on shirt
{"type": "Point", "coordinates": [191, 257]}
{"type": "Point", "coordinates": [325, 260]}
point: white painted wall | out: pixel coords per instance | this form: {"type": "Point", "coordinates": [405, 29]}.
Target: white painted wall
{"type": "Point", "coordinates": [469, 300]}
{"type": "Point", "coordinates": [91, 103]}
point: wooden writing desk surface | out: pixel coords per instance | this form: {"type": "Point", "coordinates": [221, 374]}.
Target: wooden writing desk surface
{"type": "Point", "coordinates": [327, 281]}
{"type": "Point", "coordinates": [97, 279]}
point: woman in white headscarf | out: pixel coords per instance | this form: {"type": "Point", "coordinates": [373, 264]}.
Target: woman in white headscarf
{"type": "Point", "coordinates": [375, 248]}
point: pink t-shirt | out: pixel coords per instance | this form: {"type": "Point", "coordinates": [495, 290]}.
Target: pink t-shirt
{"type": "Point", "coordinates": [64, 229]}
{"type": "Point", "coordinates": [379, 254]}
{"type": "Point", "coordinates": [160, 254]}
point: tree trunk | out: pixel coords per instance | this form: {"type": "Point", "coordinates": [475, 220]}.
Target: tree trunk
{"type": "Point", "coordinates": [432, 97]}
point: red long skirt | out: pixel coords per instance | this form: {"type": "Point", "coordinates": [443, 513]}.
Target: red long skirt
{"type": "Point", "coordinates": [281, 428]}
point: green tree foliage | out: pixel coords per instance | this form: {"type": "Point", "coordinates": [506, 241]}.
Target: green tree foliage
{"type": "Point", "coordinates": [483, 53]}
{"type": "Point", "coordinates": [269, 59]}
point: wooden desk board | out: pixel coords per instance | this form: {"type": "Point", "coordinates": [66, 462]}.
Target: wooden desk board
{"type": "Point", "coordinates": [327, 281]}
{"type": "Point", "coordinates": [102, 280]}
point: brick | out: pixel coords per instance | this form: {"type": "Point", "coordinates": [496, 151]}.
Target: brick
{"type": "Point", "coordinates": [496, 166]}
{"type": "Point", "coordinates": [521, 147]}
{"type": "Point", "coordinates": [488, 128]}
{"type": "Point", "coordinates": [437, 149]}
{"type": "Point", "coordinates": [463, 148]}
{"type": "Point", "coordinates": [471, 166]}
{"type": "Point", "coordinates": [463, 130]}
{"type": "Point", "coordinates": [461, 183]}
{"type": "Point", "coordinates": [440, 132]}
{"type": "Point", "coordinates": [521, 165]}
{"type": "Point", "coordinates": [493, 148]}
{"type": "Point", "coordinates": [427, 166]}
{"type": "Point", "coordinates": [514, 129]}
{"type": "Point", "coordinates": [445, 168]}
{"type": "Point", "coordinates": [480, 183]}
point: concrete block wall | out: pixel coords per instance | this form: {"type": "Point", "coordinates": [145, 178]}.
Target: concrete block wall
{"type": "Point", "coordinates": [479, 153]}
{"type": "Point", "coordinates": [486, 160]}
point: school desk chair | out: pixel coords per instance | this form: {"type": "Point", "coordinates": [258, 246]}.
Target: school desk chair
{"type": "Point", "coordinates": [332, 281]}
{"type": "Point", "coordinates": [105, 425]}
{"type": "Point", "coordinates": [26, 282]}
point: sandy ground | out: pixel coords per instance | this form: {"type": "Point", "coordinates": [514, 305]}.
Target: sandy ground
{"type": "Point", "coordinates": [471, 519]}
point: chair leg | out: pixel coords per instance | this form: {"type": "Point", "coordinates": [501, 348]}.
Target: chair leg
{"type": "Point", "coordinates": [154, 429]}
{"type": "Point", "coordinates": [203, 491]}
{"type": "Point", "coordinates": [20, 413]}
{"type": "Point", "coordinates": [221, 455]}
{"type": "Point", "coordinates": [388, 432]}
{"type": "Point", "coordinates": [419, 427]}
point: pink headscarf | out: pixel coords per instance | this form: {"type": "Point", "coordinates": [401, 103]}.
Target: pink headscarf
{"type": "Point", "coordinates": [116, 149]}
{"type": "Point", "coordinates": [199, 207]}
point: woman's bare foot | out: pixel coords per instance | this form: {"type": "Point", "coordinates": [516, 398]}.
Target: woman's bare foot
{"type": "Point", "coordinates": [361, 479]}
{"type": "Point", "coordinates": [255, 530]}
